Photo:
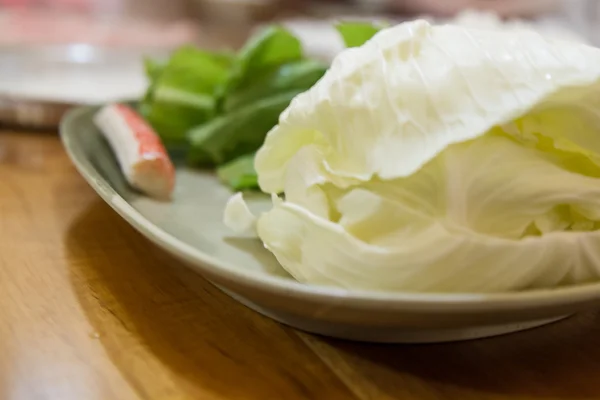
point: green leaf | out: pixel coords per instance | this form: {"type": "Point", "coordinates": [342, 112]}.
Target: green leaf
{"type": "Point", "coordinates": [226, 102]}
{"type": "Point", "coordinates": [269, 48]}
{"type": "Point", "coordinates": [240, 132]}
{"type": "Point", "coordinates": [356, 34]}
{"type": "Point", "coordinates": [182, 92]}
{"type": "Point", "coordinates": [153, 69]}
{"type": "Point", "coordinates": [300, 75]}
{"type": "Point", "coordinates": [239, 174]}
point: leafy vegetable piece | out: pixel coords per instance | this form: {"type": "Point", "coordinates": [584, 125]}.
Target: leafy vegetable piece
{"type": "Point", "coordinates": [296, 75]}
{"type": "Point", "coordinates": [172, 121]}
{"type": "Point", "coordinates": [442, 160]}
{"type": "Point", "coordinates": [269, 48]}
{"type": "Point", "coordinates": [238, 217]}
{"type": "Point", "coordinates": [239, 174]}
{"type": "Point", "coordinates": [356, 34]}
{"type": "Point", "coordinates": [268, 73]}
{"type": "Point", "coordinates": [153, 68]}
{"type": "Point", "coordinates": [182, 94]}
{"type": "Point", "coordinates": [237, 133]}
{"type": "Point", "coordinates": [221, 106]}
{"type": "Point", "coordinates": [449, 227]}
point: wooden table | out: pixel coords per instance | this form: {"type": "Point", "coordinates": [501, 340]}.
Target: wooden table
{"type": "Point", "coordinates": [91, 310]}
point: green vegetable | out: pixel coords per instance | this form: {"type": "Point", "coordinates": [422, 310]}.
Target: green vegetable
{"type": "Point", "coordinates": [237, 133]}
{"type": "Point", "coordinates": [182, 92]}
{"type": "Point", "coordinates": [239, 174]}
{"type": "Point", "coordinates": [299, 75]}
{"type": "Point", "coordinates": [356, 34]}
{"type": "Point", "coordinates": [268, 49]}
{"type": "Point", "coordinates": [153, 69]}
{"type": "Point", "coordinates": [219, 107]}
{"type": "Point", "coordinates": [266, 75]}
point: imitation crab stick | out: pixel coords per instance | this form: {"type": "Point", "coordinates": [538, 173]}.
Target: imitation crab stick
{"type": "Point", "coordinates": [139, 151]}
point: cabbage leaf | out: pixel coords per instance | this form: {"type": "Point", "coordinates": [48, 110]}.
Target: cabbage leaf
{"type": "Point", "coordinates": [440, 159]}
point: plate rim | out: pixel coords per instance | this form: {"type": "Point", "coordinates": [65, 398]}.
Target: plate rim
{"type": "Point", "coordinates": [209, 266]}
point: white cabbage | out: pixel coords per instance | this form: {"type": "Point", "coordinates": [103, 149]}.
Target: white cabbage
{"type": "Point", "coordinates": [440, 158]}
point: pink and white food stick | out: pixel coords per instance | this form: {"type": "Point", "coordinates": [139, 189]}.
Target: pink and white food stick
{"type": "Point", "coordinates": [141, 155]}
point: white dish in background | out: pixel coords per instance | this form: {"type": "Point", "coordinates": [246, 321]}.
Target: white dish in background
{"type": "Point", "coordinates": [39, 83]}
{"type": "Point", "coordinates": [76, 73]}
{"type": "Point", "coordinates": [51, 59]}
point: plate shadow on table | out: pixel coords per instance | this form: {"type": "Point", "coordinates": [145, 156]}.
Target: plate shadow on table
{"type": "Point", "coordinates": [557, 361]}
{"type": "Point", "coordinates": [170, 331]}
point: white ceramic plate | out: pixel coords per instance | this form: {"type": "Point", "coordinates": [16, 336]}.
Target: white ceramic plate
{"type": "Point", "coordinates": [190, 228]}
{"type": "Point", "coordinates": [39, 83]}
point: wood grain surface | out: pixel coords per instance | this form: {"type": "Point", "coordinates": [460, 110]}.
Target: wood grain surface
{"type": "Point", "coordinates": [91, 310]}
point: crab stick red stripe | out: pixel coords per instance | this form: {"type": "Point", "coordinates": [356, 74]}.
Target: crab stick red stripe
{"type": "Point", "coordinates": [141, 155]}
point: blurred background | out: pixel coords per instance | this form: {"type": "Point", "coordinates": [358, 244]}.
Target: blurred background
{"type": "Point", "coordinates": [56, 53]}
{"type": "Point", "coordinates": [164, 23]}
